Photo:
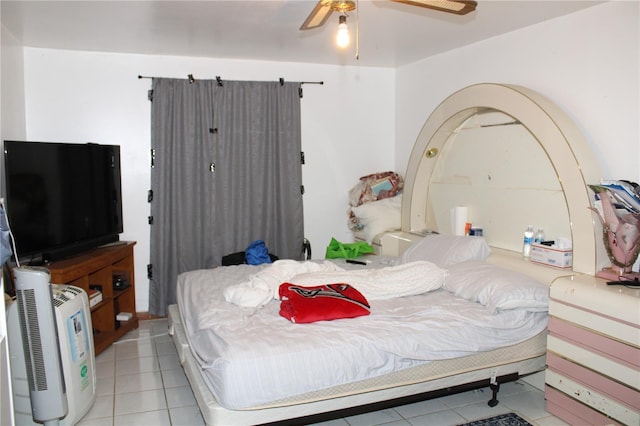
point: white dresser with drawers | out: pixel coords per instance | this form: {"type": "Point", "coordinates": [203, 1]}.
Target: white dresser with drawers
{"type": "Point", "coordinates": [593, 352]}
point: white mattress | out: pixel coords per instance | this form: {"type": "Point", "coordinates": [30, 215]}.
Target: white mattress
{"type": "Point", "coordinates": [252, 357]}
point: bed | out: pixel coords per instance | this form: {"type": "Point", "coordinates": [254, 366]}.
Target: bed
{"type": "Point", "coordinates": [249, 365]}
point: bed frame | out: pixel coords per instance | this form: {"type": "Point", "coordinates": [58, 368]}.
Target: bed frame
{"type": "Point", "coordinates": [432, 181]}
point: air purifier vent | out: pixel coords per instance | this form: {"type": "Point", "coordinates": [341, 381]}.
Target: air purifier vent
{"type": "Point", "coordinates": [58, 301]}
{"type": "Point", "coordinates": [65, 294]}
{"type": "Point", "coordinates": [31, 340]}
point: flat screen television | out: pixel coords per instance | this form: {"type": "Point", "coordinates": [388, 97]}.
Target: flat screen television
{"type": "Point", "coordinates": [62, 198]}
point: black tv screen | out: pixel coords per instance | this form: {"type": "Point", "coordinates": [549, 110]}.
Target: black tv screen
{"type": "Point", "coordinates": [62, 198]}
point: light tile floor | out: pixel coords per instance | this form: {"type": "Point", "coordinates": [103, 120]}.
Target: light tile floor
{"type": "Point", "coordinates": [141, 382]}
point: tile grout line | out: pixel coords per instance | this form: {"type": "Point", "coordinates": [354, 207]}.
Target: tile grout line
{"type": "Point", "coordinates": [164, 388]}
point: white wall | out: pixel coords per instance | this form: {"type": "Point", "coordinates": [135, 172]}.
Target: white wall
{"type": "Point", "coordinates": [587, 63]}
{"type": "Point", "coordinates": [12, 125]}
{"type": "Point", "coordinates": [12, 84]}
{"type": "Point", "coordinates": [347, 126]}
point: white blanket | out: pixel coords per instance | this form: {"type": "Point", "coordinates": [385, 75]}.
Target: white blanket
{"type": "Point", "coordinates": [262, 287]}
{"type": "Point", "coordinates": [375, 284]}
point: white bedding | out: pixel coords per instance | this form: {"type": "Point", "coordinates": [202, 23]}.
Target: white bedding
{"type": "Point", "coordinates": [374, 283]}
{"type": "Point", "coordinates": [261, 286]}
{"type": "Point", "coordinates": [252, 356]}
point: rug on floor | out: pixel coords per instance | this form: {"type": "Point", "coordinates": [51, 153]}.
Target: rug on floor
{"type": "Point", "coordinates": [509, 419]}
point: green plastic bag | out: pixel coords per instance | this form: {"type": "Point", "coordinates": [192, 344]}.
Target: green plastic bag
{"type": "Point", "coordinates": [336, 249]}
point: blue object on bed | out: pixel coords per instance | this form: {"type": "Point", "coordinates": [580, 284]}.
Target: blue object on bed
{"type": "Point", "coordinates": [257, 253]}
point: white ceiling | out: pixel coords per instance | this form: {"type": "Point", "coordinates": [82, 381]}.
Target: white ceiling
{"type": "Point", "coordinates": [391, 34]}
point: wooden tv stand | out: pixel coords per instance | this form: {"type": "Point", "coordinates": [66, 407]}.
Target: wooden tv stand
{"type": "Point", "coordinates": [97, 268]}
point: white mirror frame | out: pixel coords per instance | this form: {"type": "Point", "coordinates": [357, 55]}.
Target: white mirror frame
{"type": "Point", "coordinates": [565, 146]}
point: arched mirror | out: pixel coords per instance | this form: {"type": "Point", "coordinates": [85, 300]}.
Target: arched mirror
{"type": "Point", "coordinates": [513, 159]}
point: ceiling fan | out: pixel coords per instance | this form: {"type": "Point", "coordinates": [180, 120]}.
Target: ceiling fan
{"type": "Point", "coordinates": [324, 8]}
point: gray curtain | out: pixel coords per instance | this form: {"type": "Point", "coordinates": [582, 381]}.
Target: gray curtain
{"type": "Point", "coordinates": [226, 171]}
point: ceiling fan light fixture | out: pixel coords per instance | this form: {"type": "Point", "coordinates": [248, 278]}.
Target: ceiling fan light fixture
{"type": "Point", "coordinates": [323, 10]}
{"type": "Point", "coordinates": [343, 38]}
{"type": "Point", "coordinates": [340, 5]}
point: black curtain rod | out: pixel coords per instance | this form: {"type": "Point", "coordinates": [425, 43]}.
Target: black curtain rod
{"type": "Point", "coordinates": [220, 81]}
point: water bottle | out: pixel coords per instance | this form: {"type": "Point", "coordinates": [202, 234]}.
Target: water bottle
{"type": "Point", "coordinates": [539, 237]}
{"type": "Point", "coordinates": [528, 239]}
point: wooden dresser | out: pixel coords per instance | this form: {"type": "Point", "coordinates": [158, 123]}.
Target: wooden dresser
{"type": "Point", "coordinates": [593, 352]}
{"type": "Point", "coordinates": [98, 268]}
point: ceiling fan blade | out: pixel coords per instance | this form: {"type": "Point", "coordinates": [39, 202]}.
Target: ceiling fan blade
{"type": "Point", "coordinates": [318, 16]}
{"type": "Point", "coordinates": [459, 7]}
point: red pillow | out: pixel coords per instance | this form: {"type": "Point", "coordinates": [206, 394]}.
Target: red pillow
{"type": "Point", "coordinates": [321, 303]}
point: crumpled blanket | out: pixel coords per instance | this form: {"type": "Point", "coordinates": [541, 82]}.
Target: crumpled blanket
{"type": "Point", "coordinates": [321, 303]}
{"type": "Point", "coordinates": [407, 279]}
{"type": "Point", "coordinates": [262, 287]}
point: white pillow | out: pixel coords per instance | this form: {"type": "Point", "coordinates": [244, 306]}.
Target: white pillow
{"type": "Point", "coordinates": [496, 288]}
{"type": "Point", "coordinates": [447, 250]}
{"type": "Point", "coordinates": [379, 216]}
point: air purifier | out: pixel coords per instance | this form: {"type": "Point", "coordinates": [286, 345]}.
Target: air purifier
{"type": "Point", "coordinates": [72, 322]}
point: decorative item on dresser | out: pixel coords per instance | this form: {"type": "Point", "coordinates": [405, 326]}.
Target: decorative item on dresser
{"type": "Point", "coordinates": [593, 352]}
{"type": "Point", "coordinates": [97, 269]}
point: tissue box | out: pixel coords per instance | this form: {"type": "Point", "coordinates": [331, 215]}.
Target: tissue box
{"type": "Point", "coordinates": [551, 256]}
